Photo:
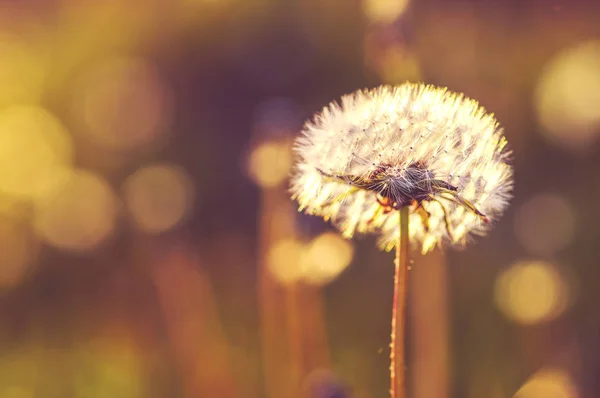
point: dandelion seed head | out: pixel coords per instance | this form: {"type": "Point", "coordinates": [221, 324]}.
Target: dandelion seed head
{"type": "Point", "coordinates": [401, 143]}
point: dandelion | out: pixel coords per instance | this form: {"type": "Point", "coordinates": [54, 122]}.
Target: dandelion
{"type": "Point", "coordinates": [434, 156]}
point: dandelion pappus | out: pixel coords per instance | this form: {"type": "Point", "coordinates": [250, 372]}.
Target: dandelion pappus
{"type": "Point", "coordinates": [402, 147]}
{"type": "Point", "coordinates": [395, 188]}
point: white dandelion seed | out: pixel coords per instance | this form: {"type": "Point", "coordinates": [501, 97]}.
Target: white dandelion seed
{"type": "Point", "coordinates": [412, 145]}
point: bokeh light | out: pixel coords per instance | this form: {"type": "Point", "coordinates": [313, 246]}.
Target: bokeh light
{"type": "Point", "coordinates": [567, 97]}
{"type": "Point", "coordinates": [35, 151]}
{"type": "Point", "coordinates": [270, 163]}
{"type": "Point", "coordinates": [123, 104]}
{"type": "Point", "coordinates": [384, 11]}
{"type": "Point", "coordinates": [318, 262]}
{"type": "Point", "coordinates": [284, 260]}
{"type": "Point", "coordinates": [531, 292]}
{"type": "Point", "coordinates": [548, 383]}
{"type": "Point", "coordinates": [326, 257]}
{"type": "Point", "coordinates": [158, 197]}
{"type": "Point", "coordinates": [545, 224]}
{"type": "Point", "coordinates": [18, 251]}
{"type": "Point", "coordinates": [22, 72]}
{"type": "Point", "coordinates": [389, 56]}
{"type": "Point", "coordinates": [397, 65]}
{"type": "Point", "coordinates": [107, 109]}
{"type": "Point", "coordinates": [79, 214]}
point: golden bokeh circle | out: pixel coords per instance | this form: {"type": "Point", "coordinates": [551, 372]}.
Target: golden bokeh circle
{"type": "Point", "coordinates": [284, 260]}
{"type": "Point", "coordinates": [532, 292]}
{"type": "Point", "coordinates": [158, 197]}
{"type": "Point", "coordinates": [548, 383]}
{"type": "Point", "coordinates": [78, 215]}
{"type": "Point", "coordinates": [567, 97]}
{"type": "Point", "coordinates": [270, 163]}
{"type": "Point", "coordinates": [35, 151]}
{"type": "Point", "coordinates": [122, 103]}
{"type": "Point", "coordinates": [326, 257]}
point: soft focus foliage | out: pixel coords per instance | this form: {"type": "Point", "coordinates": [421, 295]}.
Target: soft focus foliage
{"type": "Point", "coordinates": [149, 247]}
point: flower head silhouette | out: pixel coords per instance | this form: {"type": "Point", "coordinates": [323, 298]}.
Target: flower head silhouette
{"type": "Point", "coordinates": [379, 150]}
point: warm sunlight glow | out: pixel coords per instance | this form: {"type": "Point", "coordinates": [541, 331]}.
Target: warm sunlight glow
{"type": "Point", "coordinates": [123, 104]}
{"type": "Point", "coordinates": [284, 259]}
{"type": "Point", "coordinates": [384, 11]}
{"type": "Point", "coordinates": [531, 292]}
{"type": "Point", "coordinates": [326, 257]}
{"type": "Point", "coordinates": [567, 98]}
{"type": "Point", "coordinates": [158, 197]}
{"type": "Point", "coordinates": [397, 64]}
{"type": "Point", "coordinates": [78, 215]}
{"type": "Point", "coordinates": [22, 72]}
{"type": "Point", "coordinates": [35, 151]}
{"type": "Point", "coordinates": [548, 383]}
{"type": "Point", "coordinates": [270, 163]}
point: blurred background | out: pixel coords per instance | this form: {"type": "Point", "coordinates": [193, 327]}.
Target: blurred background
{"type": "Point", "coordinates": [148, 245]}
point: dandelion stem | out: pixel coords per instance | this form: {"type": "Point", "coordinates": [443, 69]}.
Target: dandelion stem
{"type": "Point", "coordinates": [397, 356]}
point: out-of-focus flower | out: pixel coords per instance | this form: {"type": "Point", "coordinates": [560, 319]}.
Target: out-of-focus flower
{"type": "Point", "coordinates": [409, 145]}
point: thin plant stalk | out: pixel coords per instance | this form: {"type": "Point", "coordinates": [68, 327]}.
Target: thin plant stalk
{"type": "Point", "coordinates": [429, 312]}
{"type": "Point", "coordinates": [397, 355]}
